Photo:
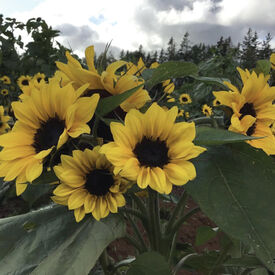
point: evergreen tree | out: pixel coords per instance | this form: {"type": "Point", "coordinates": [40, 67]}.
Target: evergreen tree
{"type": "Point", "coordinates": [184, 52]}
{"type": "Point", "coordinates": [266, 50]}
{"type": "Point", "coordinates": [155, 57]}
{"type": "Point", "coordinates": [162, 57]}
{"type": "Point", "coordinates": [171, 50]}
{"type": "Point", "coordinates": [122, 54]}
{"type": "Point", "coordinates": [249, 50]}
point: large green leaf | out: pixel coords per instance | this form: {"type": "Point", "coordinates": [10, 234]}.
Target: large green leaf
{"type": "Point", "coordinates": [108, 104]}
{"type": "Point", "coordinates": [49, 241]}
{"type": "Point", "coordinates": [149, 263]}
{"type": "Point", "coordinates": [235, 187]}
{"type": "Point", "coordinates": [212, 136]}
{"type": "Point", "coordinates": [263, 66]}
{"type": "Point", "coordinates": [171, 69]}
{"type": "Point", "coordinates": [217, 81]}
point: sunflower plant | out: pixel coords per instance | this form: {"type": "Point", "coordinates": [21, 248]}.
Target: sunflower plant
{"type": "Point", "coordinates": [103, 154]}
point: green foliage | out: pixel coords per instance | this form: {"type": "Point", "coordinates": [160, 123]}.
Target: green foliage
{"type": "Point", "coordinates": [236, 190]}
{"type": "Point", "coordinates": [149, 263]}
{"type": "Point", "coordinates": [211, 136]}
{"type": "Point", "coordinates": [49, 241]}
{"type": "Point", "coordinates": [171, 69]}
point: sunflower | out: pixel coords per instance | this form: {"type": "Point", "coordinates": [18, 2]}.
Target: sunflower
{"type": "Point", "coordinates": [3, 121]}
{"type": "Point", "coordinates": [38, 77]}
{"type": "Point", "coordinates": [46, 119]}
{"type": "Point", "coordinates": [6, 80]}
{"type": "Point", "coordinates": [272, 61]}
{"type": "Point", "coordinates": [88, 184]}
{"type": "Point", "coordinates": [23, 81]}
{"type": "Point", "coordinates": [207, 110]}
{"type": "Point", "coordinates": [216, 102]}
{"type": "Point", "coordinates": [185, 99]}
{"type": "Point", "coordinates": [180, 113]}
{"type": "Point", "coordinates": [108, 83]}
{"type": "Point", "coordinates": [152, 149]}
{"type": "Point", "coordinates": [253, 111]}
{"type": "Point", "coordinates": [4, 92]}
{"type": "Point", "coordinates": [170, 99]}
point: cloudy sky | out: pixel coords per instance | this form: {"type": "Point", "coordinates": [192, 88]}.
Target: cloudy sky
{"type": "Point", "coordinates": [129, 23]}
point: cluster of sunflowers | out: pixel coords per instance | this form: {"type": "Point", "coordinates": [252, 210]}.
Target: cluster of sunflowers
{"type": "Point", "coordinates": [148, 148]}
{"type": "Point", "coordinates": [143, 144]}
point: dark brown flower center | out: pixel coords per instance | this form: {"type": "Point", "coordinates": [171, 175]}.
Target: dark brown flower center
{"type": "Point", "coordinates": [248, 109]}
{"type": "Point", "coordinates": [48, 134]}
{"type": "Point", "coordinates": [99, 181]}
{"type": "Point", "coordinates": [152, 153]}
{"type": "Point", "coordinates": [25, 82]}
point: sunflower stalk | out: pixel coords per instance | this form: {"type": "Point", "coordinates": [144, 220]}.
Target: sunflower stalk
{"type": "Point", "coordinates": [105, 263]}
{"type": "Point", "coordinates": [180, 205]}
{"type": "Point", "coordinates": [154, 233]}
{"type": "Point", "coordinates": [176, 226]}
{"type": "Point", "coordinates": [137, 233]}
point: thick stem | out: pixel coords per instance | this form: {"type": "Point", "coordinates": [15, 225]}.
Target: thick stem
{"type": "Point", "coordinates": [105, 263]}
{"type": "Point", "coordinates": [181, 220]}
{"type": "Point", "coordinates": [180, 205]}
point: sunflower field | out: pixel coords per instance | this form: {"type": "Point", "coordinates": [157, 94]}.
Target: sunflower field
{"type": "Point", "coordinates": [106, 162]}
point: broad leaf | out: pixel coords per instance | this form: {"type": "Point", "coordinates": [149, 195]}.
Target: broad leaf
{"type": "Point", "coordinates": [212, 136]}
{"type": "Point", "coordinates": [235, 187]}
{"type": "Point", "coordinates": [170, 69]}
{"type": "Point", "coordinates": [108, 104]}
{"type": "Point", "coordinates": [149, 263]}
{"type": "Point", "coordinates": [263, 66]}
{"type": "Point", "coordinates": [217, 81]}
{"type": "Point", "coordinates": [204, 234]}
{"type": "Point", "coordinates": [49, 241]}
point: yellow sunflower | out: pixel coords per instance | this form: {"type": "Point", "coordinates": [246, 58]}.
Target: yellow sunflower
{"type": "Point", "coordinates": [185, 99]}
{"type": "Point", "coordinates": [4, 126]}
{"type": "Point", "coordinates": [180, 113]}
{"type": "Point", "coordinates": [23, 81]}
{"type": "Point", "coordinates": [46, 119]}
{"type": "Point", "coordinates": [216, 102]}
{"type": "Point", "coordinates": [4, 92]}
{"type": "Point", "coordinates": [207, 110]}
{"type": "Point", "coordinates": [253, 111]}
{"type": "Point", "coordinates": [88, 184]}
{"type": "Point", "coordinates": [170, 99]}
{"type": "Point", "coordinates": [272, 61]}
{"type": "Point", "coordinates": [6, 80]}
{"type": "Point", "coordinates": [38, 78]}
{"type": "Point", "coordinates": [107, 83]}
{"type": "Point", "coordinates": [152, 149]}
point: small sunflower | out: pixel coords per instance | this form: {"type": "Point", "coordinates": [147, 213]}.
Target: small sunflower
{"type": "Point", "coordinates": [216, 102]}
{"type": "Point", "coordinates": [4, 92]}
{"type": "Point", "coordinates": [88, 184]}
{"type": "Point", "coordinates": [253, 111]}
{"type": "Point", "coordinates": [46, 119]}
{"type": "Point", "coordinates": [180, 113]}
{"type": "Point", "coordinates": [39, 77]}
{"type": "Point", "coordinates": [108, 82]}
{"type": "Point", "coordinates": [4, 126]}
{"type": "Point", "coordinates": [170, 99]}
{"type": "Point", "coordinates": [6, 80]}
{"type": "Point", "coordinates": [272, 61]}
{"type": "Point", "coordinates": [23, 81]}
{"type": "Point", "coordinates": [152, 149]}
{"type": "Point", "coordinates": [185, 99]}
{"type": "Point", "coordinates": [168, 86]}
{"type": "Point", "coordinates": [207, 110]}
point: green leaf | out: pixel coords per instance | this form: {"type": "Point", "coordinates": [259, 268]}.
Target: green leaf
{"type": "Point", "coordinates": [171, 69]}
{"type": "Point", "coordinates": [245, 261]}
{"type": "Point", "coordinates": [212, 136]}
{"type": "Point", "coordinates": [235, 187]}
{"type": "Point", "coordinates": [49, 241]}
{"type": "Point", "coordinates": [46, 177]}
{"type": "Point", "coordinates": [147, 74]}
{"type": "Point", "coordinates": [204, 234]}
{"type": "Point", "coordinates": [149, 263]}
{"type": "Point", "coordinates": [36, 191]}
{"type": "Point", "coordinates": [108, 104]}
{"type": "Point", "coordinates": [217, 81]}
{"type": "Point", "coordinates": [263, 66]}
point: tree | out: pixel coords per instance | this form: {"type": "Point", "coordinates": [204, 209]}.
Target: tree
{"type": "Point", "coordinates": [266, 50]}
{"type": "Point", "coordinates": [171, 50]}
{"type": "Point", "coordinates": [162, 57]}
{"type": "Point", "coordinates": [249, 50]}
{"type": "Point", "coordinates": [185, 48]}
